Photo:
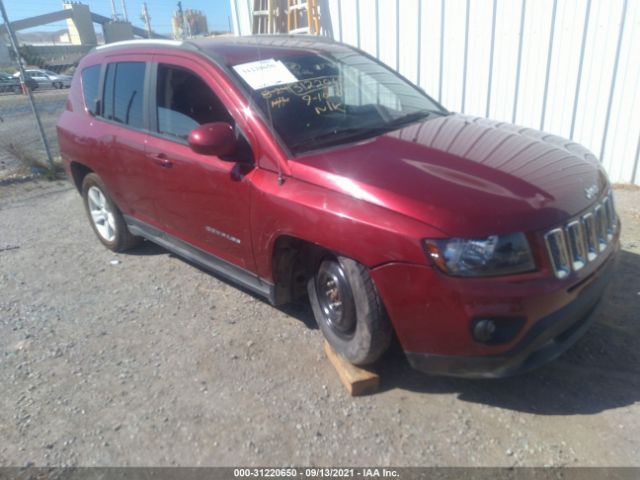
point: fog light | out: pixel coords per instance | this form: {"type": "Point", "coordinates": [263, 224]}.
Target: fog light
{"type": "Point", "coordinates": [496, 330]}
{"type": "Point", "coordinates": [483, 330]}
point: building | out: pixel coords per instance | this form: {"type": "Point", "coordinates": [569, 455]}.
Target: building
{"type": "Point", "coordinates": [117, 31]}
{"type": "Point", "coordinates": [80, 24]}
{"type": "Point", "coordinates": [189, 23]}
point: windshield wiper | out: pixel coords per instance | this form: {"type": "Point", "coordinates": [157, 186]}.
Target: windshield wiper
{"type": "Point", "coordinates": [411, 118]}
{"type": "Point", "coordinates": [335, 136]}
{"type": "Point", "coordinates": [338, 135]}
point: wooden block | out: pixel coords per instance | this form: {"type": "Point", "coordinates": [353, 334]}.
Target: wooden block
{"type": "Point", "coordinates": [356, 380]}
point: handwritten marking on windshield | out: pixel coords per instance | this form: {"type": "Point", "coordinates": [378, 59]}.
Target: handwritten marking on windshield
{"type": "Point", "coordinates": [316, 97]}
{"type": "Point", "coordinates": [330, 107]}
{"type": "Point", "coordinates": [268, 93]}
{"type": "Point", "coordinates": [320, 94]}
{"type": "Point", "coordinates": [303, 87]}
{"type": "Point", "coordinates": [279, 102]}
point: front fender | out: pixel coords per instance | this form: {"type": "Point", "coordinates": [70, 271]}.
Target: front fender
{"type": "Point", "coordinates": [352, 227]}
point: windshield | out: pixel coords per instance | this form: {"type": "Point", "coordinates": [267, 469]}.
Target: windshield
{"type": "Point", "coordinates": [315, 100]}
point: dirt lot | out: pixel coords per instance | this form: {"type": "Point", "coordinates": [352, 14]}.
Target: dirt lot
{"type": "Point", "coordinates": [143, 359]}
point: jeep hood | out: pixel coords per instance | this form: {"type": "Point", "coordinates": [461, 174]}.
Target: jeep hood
{"type": "Point", "coordinates": [465, 176]}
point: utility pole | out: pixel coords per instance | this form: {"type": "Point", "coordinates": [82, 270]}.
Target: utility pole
{"type": "Point", "coordinates": [14, 45]}
{"type": "Point", "coordinates": [146, 18]}
{"type": "Point", "coordinates": [124, 11]}
{"type": "Point", "coordinates": [182, 20]}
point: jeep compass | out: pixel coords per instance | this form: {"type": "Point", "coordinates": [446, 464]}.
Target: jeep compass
{"type": "Point", "coordinates": [302, 168]}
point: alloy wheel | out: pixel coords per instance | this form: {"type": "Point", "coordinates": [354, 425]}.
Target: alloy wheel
{"type": "Point", "coordinates": [101, 214]}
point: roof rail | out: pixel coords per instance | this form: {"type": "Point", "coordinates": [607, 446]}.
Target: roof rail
{"type": "Point", "coordinates": [142, 43]}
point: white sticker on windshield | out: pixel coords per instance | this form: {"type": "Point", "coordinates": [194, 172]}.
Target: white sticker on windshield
{"type": "Point", "coordinates": [265, 73]}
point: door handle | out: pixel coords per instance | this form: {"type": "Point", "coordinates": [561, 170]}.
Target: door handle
{"type": "Point", "coordinates": [161, 160]}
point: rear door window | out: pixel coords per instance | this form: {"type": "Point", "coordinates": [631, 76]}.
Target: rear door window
{"type": "Point", "coordinates": [123, 97]}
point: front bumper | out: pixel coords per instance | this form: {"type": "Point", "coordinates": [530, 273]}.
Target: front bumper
{"type": "Point", "coordinates": [433, 324]}
{"type": "Point", "coordinates": [545, 341]}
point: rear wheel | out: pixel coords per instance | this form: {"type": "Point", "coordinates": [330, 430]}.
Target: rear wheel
{"type": "Point", "coordinates": [349, 311]}
{"type": "Point", "coordinates": [105, 218]}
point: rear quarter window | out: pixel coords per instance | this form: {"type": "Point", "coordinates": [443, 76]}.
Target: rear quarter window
{"type": "Point", "coordinates": [90, 86]}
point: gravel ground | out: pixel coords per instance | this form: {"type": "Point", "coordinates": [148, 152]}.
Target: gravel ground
{"type": "Point", "coordinates": [143, 359]}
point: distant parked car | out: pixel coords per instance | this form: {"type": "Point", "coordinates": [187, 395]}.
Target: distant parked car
{"type": "Point", "coordinates": [47, 78]}
{"type": "Point", "coordinates": [10, 83]}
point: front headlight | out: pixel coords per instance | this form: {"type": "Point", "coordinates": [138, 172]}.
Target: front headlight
{"type": "Point", "coordinates": [481, 257]}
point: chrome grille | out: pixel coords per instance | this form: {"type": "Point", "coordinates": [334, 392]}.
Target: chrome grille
{"type": "Point", "coordinates": [601, 228]}
{"type": "Point", "coordinates": [577, 245]}
{"type": "Point", "coordinates": [612, 220]}
{"type": "Point", "coordinates": [580, 241]}
{"type": "Point", "coordinates": [558, 250]}
{"type": "Point", "coordinates": [589, 224]}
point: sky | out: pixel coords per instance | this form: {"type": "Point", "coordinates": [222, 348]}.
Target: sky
{"type": "Point", "coordinates": [160, 11]}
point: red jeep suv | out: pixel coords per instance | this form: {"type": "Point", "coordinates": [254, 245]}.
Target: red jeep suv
{"type": "Point", "coordinates": [303, 168]}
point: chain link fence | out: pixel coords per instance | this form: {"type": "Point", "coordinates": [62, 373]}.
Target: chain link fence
{"type": "Point", "coordinates": [22, 152]}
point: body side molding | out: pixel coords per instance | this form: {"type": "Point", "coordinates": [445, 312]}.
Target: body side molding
{"type": "Point", "coordinates": [204, 259]}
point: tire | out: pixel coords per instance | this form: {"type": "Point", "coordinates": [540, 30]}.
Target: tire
{"type": "Point", "coordinates": [358, 329]}
{"type": "Point", "coordinates": [105, 217]}
{"type": "Point", "coordinates": [17, 90]}
{"type": "Point", "coordinates": [57, 85]}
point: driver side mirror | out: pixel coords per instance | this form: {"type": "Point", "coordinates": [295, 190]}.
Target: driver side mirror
{"type": "Point", "coordinates": [216, 138]}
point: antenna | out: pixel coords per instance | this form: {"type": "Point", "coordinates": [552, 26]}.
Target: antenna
{"type": "Point", "coordinates": [181, 19]}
